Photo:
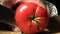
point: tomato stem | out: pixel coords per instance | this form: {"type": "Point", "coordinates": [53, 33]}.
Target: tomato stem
{"type": "Point", "coordinates": [33, 20]}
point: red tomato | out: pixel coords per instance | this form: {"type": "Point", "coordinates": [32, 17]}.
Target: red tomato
{"type": "Point", "coordinates": [31, 18]}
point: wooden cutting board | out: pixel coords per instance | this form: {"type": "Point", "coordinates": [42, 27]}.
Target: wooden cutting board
{"type": "Point", "coordinates": [8, 32]}
{"type": "Point", "coordinates": [12, 32]}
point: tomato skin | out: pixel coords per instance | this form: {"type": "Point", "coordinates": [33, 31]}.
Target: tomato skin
{"type": "Point", "coordinates": [23, 14]}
